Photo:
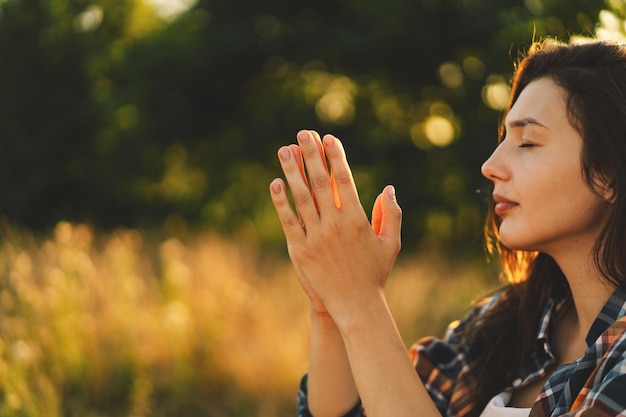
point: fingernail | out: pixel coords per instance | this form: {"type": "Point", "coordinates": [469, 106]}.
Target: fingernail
{"type": "Point", "coordinates": [329, 141]}
{"type": "Point", "coordinates": [284, 153]}
{"type": "Point", "coordinates": [392, 192]}
{"type": "Point", "coordinates": [275, 186]}
{"type": "Point", "coordinates": [303, 137]}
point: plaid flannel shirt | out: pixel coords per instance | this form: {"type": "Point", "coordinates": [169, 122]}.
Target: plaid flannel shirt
{"type": "Point", "coordinates": [594, 385]}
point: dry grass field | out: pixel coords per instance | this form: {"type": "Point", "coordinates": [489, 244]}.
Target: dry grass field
{"type": "Point", "coordinates": [132, 324]}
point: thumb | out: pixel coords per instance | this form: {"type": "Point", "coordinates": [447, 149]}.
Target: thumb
{"type": "Point", "coordinates": [391, 219]}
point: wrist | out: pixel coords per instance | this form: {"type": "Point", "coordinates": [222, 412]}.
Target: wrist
{"type": "Point", "coordinates": [324, 331]}
{"type": "Point", "coordinates": [359, 319]}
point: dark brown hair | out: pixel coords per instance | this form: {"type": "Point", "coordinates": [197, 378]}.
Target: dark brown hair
{"type": "Point", "coordinates": [594, 76]}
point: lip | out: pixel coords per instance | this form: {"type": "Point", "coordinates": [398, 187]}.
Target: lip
{"type": "Point", "coordinates": [503, 204]}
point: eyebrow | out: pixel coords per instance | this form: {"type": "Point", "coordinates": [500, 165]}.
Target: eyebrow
{"type": "Point", "coordinates": [526, 121]}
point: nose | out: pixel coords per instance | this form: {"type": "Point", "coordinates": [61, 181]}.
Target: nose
{"type": "Point", "coordinates": [495, 168]}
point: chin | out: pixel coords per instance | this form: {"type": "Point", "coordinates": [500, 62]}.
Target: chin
{"type": "Point", "coordinates": [516, 244]}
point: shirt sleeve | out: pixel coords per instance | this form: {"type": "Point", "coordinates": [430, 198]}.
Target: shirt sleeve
{"type": "Point", "coordinates": [303, 405]}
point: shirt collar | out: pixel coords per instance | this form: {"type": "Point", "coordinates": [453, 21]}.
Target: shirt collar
{"type": "Point", "coordinates": [551, 313]}
{"type": "Point", "coordinates": [614, 308]}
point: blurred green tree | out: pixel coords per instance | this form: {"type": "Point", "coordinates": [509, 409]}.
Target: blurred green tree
{"type": "Point", "coordinates": [115, 114]}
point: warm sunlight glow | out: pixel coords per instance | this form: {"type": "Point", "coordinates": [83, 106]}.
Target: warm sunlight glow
{"type": "Point", "coordinates": [136, 316]}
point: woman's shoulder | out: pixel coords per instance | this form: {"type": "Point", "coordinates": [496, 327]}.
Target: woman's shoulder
{"type": "Point", "coordinates": [495, 298]}
{"type": "Point", "coordinates": [452, 339]}
{"type": "Point", "coordinates": [478, 309]}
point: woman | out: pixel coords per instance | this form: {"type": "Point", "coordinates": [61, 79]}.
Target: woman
{"type": "Point", "coordinates": [554, 337]}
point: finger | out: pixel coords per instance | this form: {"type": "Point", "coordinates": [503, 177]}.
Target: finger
{"type": "Point", "coordinates": [289, 221]}
{"type": "Point", "coordinates": [377, 214]}
{"type": "Point", "coordinates": [302, 197]}
{"type": "Point", "coordinates": [297, 152]}
{"type": "Point", "coordinates": [320, 148]}
{"type": "Point", "coordinates": [391, 221]}
{"type": "Point", "coordinates": [316, 169]}
{"type": "Point", "coordinates": [318, 142]}
{"type": "Point", "coordinates": [341, 174]}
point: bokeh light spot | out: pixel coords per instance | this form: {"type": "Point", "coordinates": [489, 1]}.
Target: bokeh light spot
{"type": "Point", "coordinates": [333, 96]}
{"type": "Point", "coordinates": [473, 67]}
{"type": "Point", "coordinates": [88, 20]}
{"type": "Point", "coordinates": [496, 93]}
{"type": "Point", "coordinates": [335, 107]}
{"type": "Point", "coordinates": [534, 6]}
{"type": "Point", "coordinates": [611, 27]}
{"type": "Point", "coordinates": [169, 10]}
{"type": "Point", "coordinates": [451, 75]}
{"type": "Point", "coordinates": [439, 130]}
{"type": "Point", "coordinates": [127, 117]}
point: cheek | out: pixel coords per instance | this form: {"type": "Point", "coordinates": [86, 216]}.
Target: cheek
{"type": "Point", "coordinates": [555, 186]}
{"type": "Point", "coordinates": [551, 208]}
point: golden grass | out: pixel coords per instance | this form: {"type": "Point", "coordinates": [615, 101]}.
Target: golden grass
{"type": "Point", "coordinates": [123, 324]}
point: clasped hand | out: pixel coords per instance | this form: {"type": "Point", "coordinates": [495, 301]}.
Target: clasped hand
{"type": "Point", "coordinates": [341, 260]}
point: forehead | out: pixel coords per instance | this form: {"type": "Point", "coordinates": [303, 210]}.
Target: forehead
{"type": "Point", "coordinates": [542, 100]}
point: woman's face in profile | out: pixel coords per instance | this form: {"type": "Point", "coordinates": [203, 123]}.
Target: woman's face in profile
{"type": "Point", "coordinates": [541, 197]}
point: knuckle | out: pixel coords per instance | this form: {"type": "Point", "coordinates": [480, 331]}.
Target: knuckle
{"type": "Point", "coordinates": [319, 182]}
{"type": "Point", "coordinates": [290, 223]}
{"type": "Point", "coordinates": [352, 224]}
{"type": "Point", "coordinates": [301, 198]}
{"type": "Point", "coordinates": [343, 177]}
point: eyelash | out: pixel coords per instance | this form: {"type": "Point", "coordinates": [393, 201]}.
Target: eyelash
{"type": "Point", "coordinates": [527, 145]}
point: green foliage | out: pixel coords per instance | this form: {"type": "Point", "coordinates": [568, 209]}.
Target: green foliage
{"type": "Point", "coordinates": [111, 115]}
